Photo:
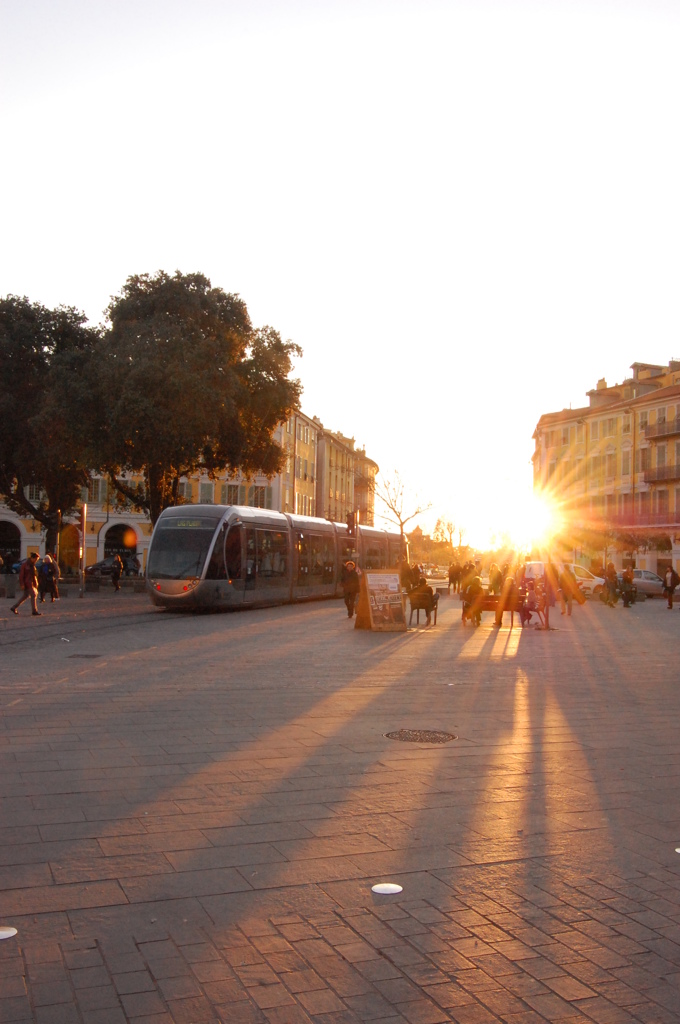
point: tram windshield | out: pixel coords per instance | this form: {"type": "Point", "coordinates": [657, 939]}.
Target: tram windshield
{"type": "Point", "coordinates": [180, 547]}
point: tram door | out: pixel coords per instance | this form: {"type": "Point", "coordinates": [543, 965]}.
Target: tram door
{"type": "Point", "coordinates": [251, 558]}
{"type": "Point", "coordinates": [303, 555]}
{"type": "Point", "coordinates": [233, 557]}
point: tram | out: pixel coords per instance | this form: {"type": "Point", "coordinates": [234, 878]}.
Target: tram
{"type": "Point", "coordinates": [229, 556]}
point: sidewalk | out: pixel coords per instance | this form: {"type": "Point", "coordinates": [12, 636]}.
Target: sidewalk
{"type": "Point", "coordinates": [68, 609]}
{"type": "Point", "coordinates": [195, 809]}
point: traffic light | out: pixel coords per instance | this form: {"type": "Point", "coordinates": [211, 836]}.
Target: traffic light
{"type": "Point", "coordinates": [351, 523]}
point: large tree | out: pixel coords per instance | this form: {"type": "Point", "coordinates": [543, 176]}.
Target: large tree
{"type": "Point", "coordinates": [44, 354]}
{"type": "Point", "coordinates": [187, 385]}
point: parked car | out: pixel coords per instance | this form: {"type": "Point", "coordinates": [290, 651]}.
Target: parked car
{"type": "Point", "coordinates": [592, 586]}
{"type": "Point", "coordinates": [131, 566]}
{"type": "Point", "coordinates": [16, 568]}
{"type": "Point", "coordinates": [648, 583]}
{"type": "Point", "coordinates": [634, 597]}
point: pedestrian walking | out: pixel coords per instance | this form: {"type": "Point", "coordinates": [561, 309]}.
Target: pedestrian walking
{"type": "Point", "coordinates": [568, 589]}
{"type": "Point", "coordinates": [349, 578]}
{"type": "Point", "coordinates": [670, 582]}
{"type": "Point", "coordinates": [628, 592]}
{"type": "Point", "coordinates": [116, 572]}
{"type": "Point", "coordinates": [28, 581]}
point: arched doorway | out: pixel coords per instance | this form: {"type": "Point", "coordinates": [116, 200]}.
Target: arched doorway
{"type": "Point", "coordinates": [121, 540]}
{"type": "Point", "coordinates": [69, 550]}
{"type": "Point", "coordinates": [10, 543]}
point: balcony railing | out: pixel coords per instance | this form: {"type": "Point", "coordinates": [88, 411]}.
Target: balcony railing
{"type": "Point", "coordinates": [634, 521]}
{"type": "Point", "coordinates": [652, 476]}
{"type": "Point", "coordinates": [664, 429]}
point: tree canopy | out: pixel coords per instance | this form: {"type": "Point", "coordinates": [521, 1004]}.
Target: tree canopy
{"type": "Point", "coordinates": [177, 382]}
{"type": "Point", "coordinates": [43, 357]}
{"type": "Point", "coordinates": [186, 384]}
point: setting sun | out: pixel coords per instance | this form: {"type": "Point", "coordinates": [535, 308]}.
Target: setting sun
{"type": "Point", "coordinates": [522, 522]}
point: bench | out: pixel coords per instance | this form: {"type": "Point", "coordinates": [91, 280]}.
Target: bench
{"type": "Point", "coordinates": [489, 603]}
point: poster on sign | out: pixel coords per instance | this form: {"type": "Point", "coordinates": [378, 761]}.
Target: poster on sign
{"type": "Point", "coordinates": [381, 603]}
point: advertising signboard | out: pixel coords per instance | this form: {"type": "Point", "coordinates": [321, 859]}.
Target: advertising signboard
{"type": "Point", "coordinates": [381, 603]}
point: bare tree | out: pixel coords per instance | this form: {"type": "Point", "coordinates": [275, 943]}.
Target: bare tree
{"type": "Point", "coordinates": [444, 531]}
{"type": "Point", "coordinates": [392, 494]}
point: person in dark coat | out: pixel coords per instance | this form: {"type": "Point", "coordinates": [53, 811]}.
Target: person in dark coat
{"type": "Point", "coordinates": [117, 572]}
{"type": "Point", "coordinates": [349, 578]}
{"type": "Point", "coordinates": [48, 581]}
{"type": "Point", "coordinates": [670, 582]}
{"type": "Point", "coordinates": [568, 589]}
{"type": "Point", "coordinates": [426, 597]}
{"type": "Point", "coordinates": [28, 581]}
{"type": "Point", "coordinates": [473, 594]}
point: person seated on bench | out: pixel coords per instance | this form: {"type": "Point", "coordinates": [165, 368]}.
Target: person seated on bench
{"type": "Point", "coordinates": [423, 596]}
{"type": "Point", "coordinates": [473, 596]}
{"type": "Point", "coordinates": [530, 605]}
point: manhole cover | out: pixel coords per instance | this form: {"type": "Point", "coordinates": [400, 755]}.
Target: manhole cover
{"type": "Point", "coordinates": [84, 655]}
{"type": "Point", "coordinates": [421, 736]}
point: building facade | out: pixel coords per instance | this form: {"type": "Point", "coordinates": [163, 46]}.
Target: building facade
{"type": "Point", "coordinates": [613, 466]}
{"type": "Point", "coordinates": [318, 478]}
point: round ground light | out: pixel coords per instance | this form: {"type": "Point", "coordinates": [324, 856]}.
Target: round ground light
{"type": "Point", "coordinates": [421, 736]}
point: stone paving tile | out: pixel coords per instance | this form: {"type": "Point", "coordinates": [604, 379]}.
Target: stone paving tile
{"type": "Point", "coordinates": [205, 852]}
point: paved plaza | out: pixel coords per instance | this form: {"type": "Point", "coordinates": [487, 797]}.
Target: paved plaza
{"type": "Point", "coordinates": [195, 809]}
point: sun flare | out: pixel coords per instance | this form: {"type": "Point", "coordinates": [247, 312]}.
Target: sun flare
{"type": "Point", "coordinates": [522, 522]}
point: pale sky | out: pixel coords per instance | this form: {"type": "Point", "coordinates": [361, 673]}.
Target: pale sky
{"type": "Point", "coordinates": [466, 213]}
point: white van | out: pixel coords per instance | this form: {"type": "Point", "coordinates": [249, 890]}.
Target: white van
{"type": "Point", "coordinates": [589, 584]}
{"type": "Point", "coordinates": [592, 586]}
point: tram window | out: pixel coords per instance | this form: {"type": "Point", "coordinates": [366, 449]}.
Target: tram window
{"type": "Point", "coordinates": [217, 569]}
{"type": "Point", "coordinates": [272, 554]}
{"type": "Point", "coordinates": [180, 547]}
{"type": "Point", "coordinates": [376, 557]}
{"type": "Point", "coordinates": [303, 558]}
{"type": "Point", "coordinates": [394, 547]}
{"type": "Point", "coordinates": [317, 558]}
{"type": "Point", "coordinates": [232, 552]}
{"type": "Point", "coordinates": [328, 558]}
{"type": "Point", "coordinates": [347, 551]}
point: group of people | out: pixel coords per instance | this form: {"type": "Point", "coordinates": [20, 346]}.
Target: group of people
{"type": "Point", "coordinates": [526, 595]}
{"type": "Point", "coordinates": [40, 581]}
{"type": "Point", "coordinates": [36, 583]}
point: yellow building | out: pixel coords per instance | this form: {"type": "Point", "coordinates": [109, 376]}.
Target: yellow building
{"type": "Point", "coordinates": [317, 479]}
{"type": "Point", "coordinates": [613, 466]}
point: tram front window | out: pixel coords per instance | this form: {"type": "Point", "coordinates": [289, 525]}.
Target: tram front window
{"type": "Point", "coordinates": [179, 548]}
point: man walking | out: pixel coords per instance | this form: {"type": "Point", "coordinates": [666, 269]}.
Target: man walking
{"type": "Point", "coordinates": [670, 582]}
{"type": "Point", "coordinates": [28, 581]}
